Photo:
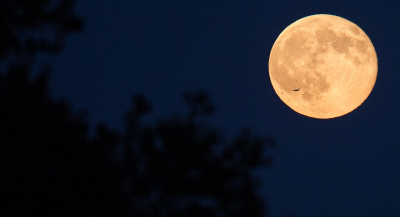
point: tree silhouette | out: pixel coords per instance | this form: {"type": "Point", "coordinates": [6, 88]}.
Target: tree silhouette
{"type": "Point", "coordinates": [184, 167]}
{"type": "Point", "coordinates": [28, 27]}
{"type": "Point", "coordinates": [179, 166]}
{"type": "Point", "coordinates": [43, 158]}
{"type": "Point", "coordinates": [45, 163]}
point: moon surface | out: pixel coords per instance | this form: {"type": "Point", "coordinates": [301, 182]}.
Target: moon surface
{"type": "Point", "coordinates": [323, 66]}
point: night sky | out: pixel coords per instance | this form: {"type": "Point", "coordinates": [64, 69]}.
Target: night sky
{"type": "Point", "coordinates": [347, 166]}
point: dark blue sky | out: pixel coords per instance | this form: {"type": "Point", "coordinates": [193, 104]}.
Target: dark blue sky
{"type": "Point", "coordinates": [348, 166]}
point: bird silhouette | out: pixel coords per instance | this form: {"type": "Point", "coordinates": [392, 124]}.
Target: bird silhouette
{"type": "Point", "coordinates": [296, 89]}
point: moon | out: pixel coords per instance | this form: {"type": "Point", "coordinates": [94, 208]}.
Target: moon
{"type": "Point", "coordinates": [323, 66]}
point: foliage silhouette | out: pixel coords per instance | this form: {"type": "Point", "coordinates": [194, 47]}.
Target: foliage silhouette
{"type": "Point", "coordinates": [28, 27]}
{"type": "Point", "coordinates": [184, 167]}
{"type": "Point", "coordinates": [45, 158]}
{"type": "Point", "coordinates": [179, 166]}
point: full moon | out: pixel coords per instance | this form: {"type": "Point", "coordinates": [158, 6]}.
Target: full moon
{"type": "Point", "coordinates": [323, 66]}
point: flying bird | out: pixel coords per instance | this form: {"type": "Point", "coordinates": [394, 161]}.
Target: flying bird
{"type": "Point", "coordinates": [296, 89]}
